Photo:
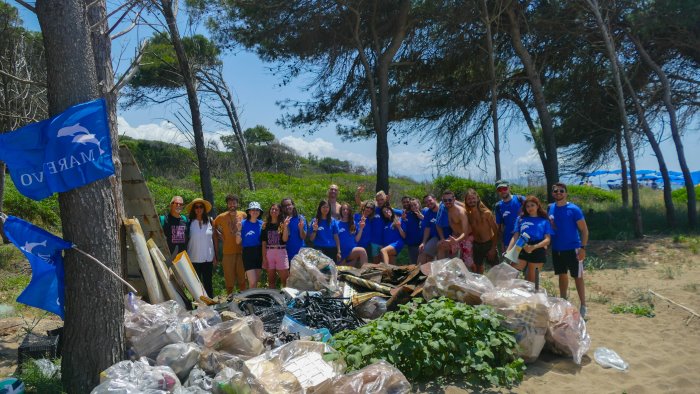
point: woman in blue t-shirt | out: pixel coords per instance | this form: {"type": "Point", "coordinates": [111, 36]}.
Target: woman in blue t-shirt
{"type": "Point", "coordinates": [393, 234]}
{"type": "Point", "coordinates": [248, 236]}
{"type": "Point", "coordinates": [350, 233]}
{"type": "Point", "coordinates": [534, 222]}
{"type": "Point", "coordinates": [325, 232]}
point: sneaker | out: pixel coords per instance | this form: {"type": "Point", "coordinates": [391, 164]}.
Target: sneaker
{"type": "Point", "coordinates": [582, 310]}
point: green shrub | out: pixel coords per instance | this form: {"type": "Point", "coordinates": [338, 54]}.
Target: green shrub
{"type": "Point", "coordinates": [681, 195]}
{"type": "Point", "coordinates": [641, 310]}
{"type": "Point", "coordinates": [43, 213]}
{"type": "Point", "coordinates": [440, 337]}
{"type": "Point", "coordinates": [36, 382]}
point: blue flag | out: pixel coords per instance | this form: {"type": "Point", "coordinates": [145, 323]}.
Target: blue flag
{"type": "Point", "coordinates": [43, 250]}
{"type": "Point", "coordinates": [61, 153]}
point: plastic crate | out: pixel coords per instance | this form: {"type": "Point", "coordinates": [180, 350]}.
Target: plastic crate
{"type": "Point", "coordinates": [57, 332]}
{"type": "Point", "coordinates": [35, 347]}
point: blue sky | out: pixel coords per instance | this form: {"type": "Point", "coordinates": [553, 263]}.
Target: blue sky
{"type": "Point", "coordinates": [257, 90]}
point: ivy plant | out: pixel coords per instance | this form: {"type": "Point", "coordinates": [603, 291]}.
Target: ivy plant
{"type": "Point", "coordinates": [441, 337]}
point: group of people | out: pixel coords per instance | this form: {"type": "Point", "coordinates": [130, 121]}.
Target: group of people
{"type": "Point", "coordinates": [378, 232]}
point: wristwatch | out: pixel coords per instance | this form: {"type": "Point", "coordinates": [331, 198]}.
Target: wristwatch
{"type": "Point", "coordinates": [583, 246]}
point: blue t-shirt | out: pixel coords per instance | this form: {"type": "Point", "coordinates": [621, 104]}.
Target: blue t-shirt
{"type": "Point", "coordinates": [250, 233]}
{"type": "Point", "coordinates": [433, 219]}
{"type": "Point", "coordinates": [414, 231]}
{"type": "Point", "coordinates": [295, 242]}
{"type": "Point", "coordinates": [378, 224]}
{"type": "Point", "coordinates": [347, 238]}
{"type": "Point", "coordinates": [507, 214]}
{"type": "Point", "coordinates": [324, 234]}
{"type": "Point", "coordinates": [366, 237]}
{"type": "Point", "coordinates": [392, 236]}
{"type": "Point", "coordinates": [535, 227]}
{"type": "Point", "coordinates": [565, 217]}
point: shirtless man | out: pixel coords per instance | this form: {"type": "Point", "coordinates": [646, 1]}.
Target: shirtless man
{"type": "Point", "coordinates": [484, 230]}
{"type": "Point", "coordinates": [458, 241]}
{"type": "Point", "coordinates": [333, 201]}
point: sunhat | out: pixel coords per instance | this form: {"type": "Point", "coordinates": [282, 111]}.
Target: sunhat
{"type": "Point", "coordinates": [254, 205]}
{"type": "Point", "coordinates": [207, 205]}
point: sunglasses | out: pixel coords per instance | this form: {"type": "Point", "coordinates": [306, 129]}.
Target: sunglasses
{"type": "Point", "coordinates": [199, 207]}
{"type": "Point", "coordinates": [448, 199]}
{"type": "Point", "coordinates": [502, 189]}
{"type": "Point", "coordinates": [558, 191]}
{"type": "Point", "coordinates": [179, 204]}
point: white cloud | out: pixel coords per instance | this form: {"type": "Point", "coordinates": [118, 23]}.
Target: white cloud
{"type": "Point", "coordinates": [163, 131]}
{"type": "Point", "coordinates": [529, 159]}
{"type": "Point", "coordinates": [322, 148]}
{"type": "Point", "coordinates": [414, 164]}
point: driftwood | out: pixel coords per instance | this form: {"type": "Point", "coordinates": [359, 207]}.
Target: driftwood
{"type": "Point", "coordinates": [693, 314]}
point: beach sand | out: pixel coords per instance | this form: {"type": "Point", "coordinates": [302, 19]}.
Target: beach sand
{"type": "Point", "coordinates": [661, 351]}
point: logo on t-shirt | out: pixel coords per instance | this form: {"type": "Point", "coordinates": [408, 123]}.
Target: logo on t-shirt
{"type": "Point", "coordinates": [341, 230]}
{"type": "Point", "coordinates": [250, 233]}
{"type": "Point", "coordinates": [321, 228]}
{"type": "Point", "coordinates": [506, 213]}
{"type": "Point", "coordinates": [178, 234]}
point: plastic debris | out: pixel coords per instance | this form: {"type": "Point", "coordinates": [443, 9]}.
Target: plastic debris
{"type": "Point", "coordinates": [181, 357]}
{"type": "Point", "coordinates": [450, 278]}
{"type": "Point", "coordinates": [607, 358]}
{"type": "Point", "coordinates": [242, 337]}
{"type": "Point", "coordinates": [566, 334]}
{"type": "Point", "coordinates": [377, 378]}
{"type": "Point", "coordinates": [312, 270]}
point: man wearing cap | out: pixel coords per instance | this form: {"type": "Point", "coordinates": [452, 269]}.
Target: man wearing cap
{"type": "Point", "coordinates": [225, 230]}
{"type": "Point", "coordinates": [175, 226]}
{"type": "Point", "coordinates": [568, 242]}
{"type": "Point", "coordinates": [506, 212]}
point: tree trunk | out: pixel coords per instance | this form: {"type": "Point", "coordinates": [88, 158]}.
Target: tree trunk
{"type": "Point", "coordinates": [675, 131]}
{"type": "Point", "coordinates": [93, 333]}
{"type": "Point", "coordinates": [668, 198]}
{"type": "Point", "coordinates": [624, 190]}
{"type": "Point", "coordinates": [383, 131]}
{"type": "Point", "coordinates": [551, 165]}
{"type": "Point", "coordinates": [190, 82]}
{"type": "Point", "coordinates": [494, 89]}
{"type": "Point", "coordinates": [614, 68]}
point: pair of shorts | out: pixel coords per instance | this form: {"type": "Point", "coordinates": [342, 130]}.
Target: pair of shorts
{"type": "Point", "coordinates": [536, 256]}
{"type": "Point", "coordinates": [332, 253]}
{"type": "Point", "coordinates": [567, 260]}
{"type": "Point", "coordinates": [252, 258]}
{"type": "Point", "coordinates": [276, 259]}
{"type": "Point", "coordinates": [398, 245]}
{"type": "Point", "coordinates": [431, 247]}
{"type": "Point", "coordinates": [480, 251]}
{"type": "Point", "coordinates": [464, 249]}
{"type": "Point", "coordinates": [375, 248]}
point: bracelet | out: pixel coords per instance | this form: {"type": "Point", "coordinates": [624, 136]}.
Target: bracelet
{"type": "Point", "coordinates": [583, 247]}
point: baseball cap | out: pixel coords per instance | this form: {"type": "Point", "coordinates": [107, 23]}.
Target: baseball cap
{"type": "Point", "coordinates": [501, 183]}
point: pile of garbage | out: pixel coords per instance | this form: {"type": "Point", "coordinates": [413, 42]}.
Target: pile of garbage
{"type": "Point", "coordinates": [277, 341]}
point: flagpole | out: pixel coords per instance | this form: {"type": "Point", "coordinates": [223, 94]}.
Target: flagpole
{"type": "Point", "coordinates": [106, 268]}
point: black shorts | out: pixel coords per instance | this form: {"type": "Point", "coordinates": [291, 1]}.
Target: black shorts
{"type": "Point", "coordinates": [567, 260]}
{"type": "Point", "coordinates": [480, 250]}
{"type": "Point", "coordinates": [252, 258]}
{"type": "Point", "coordinates": [332, 253]}
{"type": "Point", "coordinates": [537, 255]}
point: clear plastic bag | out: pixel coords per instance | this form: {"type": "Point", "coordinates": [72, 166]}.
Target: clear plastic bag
{"type": "Point", "coordinates": [566, 333]}
{"type": "Point", "coordinates": [213, 361]}
{"type": "Point", "coordinates": [377, 378]}
{"type": "Point", "coordinates": [181, 357]}
{"type": "Point", "coordinates": [450, 278]}
{"type": "Point", "coordinates": [297, 367]}
{"type": "Point", "coordinates": [313, 271]}
{"type": "Point", "coordinates": [149, 328]}
{"type": "Point", "coordinates": [527, 314]}
{"type": "Point", "coordinates": [231, 381]}
{"type": "Point", "coordinates": [242, 337]}
{"type": "Point", "coordinates": [199, 378]}
{"type": "Point", "coordinates": [48, 368]}
{"type": "Point", "coordinates": [501, 274]}
{"type": "Point", "coordinates": [202, 318]}
{"type": "Point", "coordinates": [607, 358]}
{"type": "Point", "coordinates": [372, 308]}
{"type": "Point", "coordinates": [137, 377]}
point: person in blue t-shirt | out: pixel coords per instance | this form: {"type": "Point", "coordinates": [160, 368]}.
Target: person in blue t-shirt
{"type": "Point", "coordinates": [365, 218]}
{"type": "Point", "coordinates": [325, 232]}
{"type": "Point", "coordinates": [248, 236]}
{"type": "Point", "coordinates": [393, 234]}
{"type": "Point", "coordinates": [506, 211]}
{"type": "Point", "coordinates": [534, 222]}
{"type": "Point", "coordinates": [349, 233]}
{"type": "Point", "coordinates": [377, 225]}
{"type": "Point", "coordinates": [295, 225]}
{"type": "Point", "coordinates": [434, 216]}
{"type": "Point", "coordinates": [414, 233]}
{"type": "Point", "coordinates": [568, 243]}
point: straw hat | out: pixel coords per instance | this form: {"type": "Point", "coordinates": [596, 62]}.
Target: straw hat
{"type": "Point", "coordinates": [207, 205]}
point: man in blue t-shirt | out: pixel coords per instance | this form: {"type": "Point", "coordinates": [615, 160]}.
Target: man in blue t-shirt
{"type": "Point", "coordinates": [506, 212]}
{"type": "Point", "coordinates": [434, 215]}
{"type": "Point", "coordinates": [568, 242]}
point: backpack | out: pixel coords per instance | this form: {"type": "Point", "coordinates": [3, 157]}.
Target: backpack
{"type": "Point", "coordinates": [162, 219]}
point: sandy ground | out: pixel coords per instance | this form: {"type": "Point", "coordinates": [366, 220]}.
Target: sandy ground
{"type": "Point", "coordinates": [661, 351]}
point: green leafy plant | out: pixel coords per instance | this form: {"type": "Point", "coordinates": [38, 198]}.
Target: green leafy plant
{"type": "Point", "coordinates": [440, 337]}
{"type": "Point", "coordinates": [642, 310]}
{"type": "Point", "coordinates": [37, 381]}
